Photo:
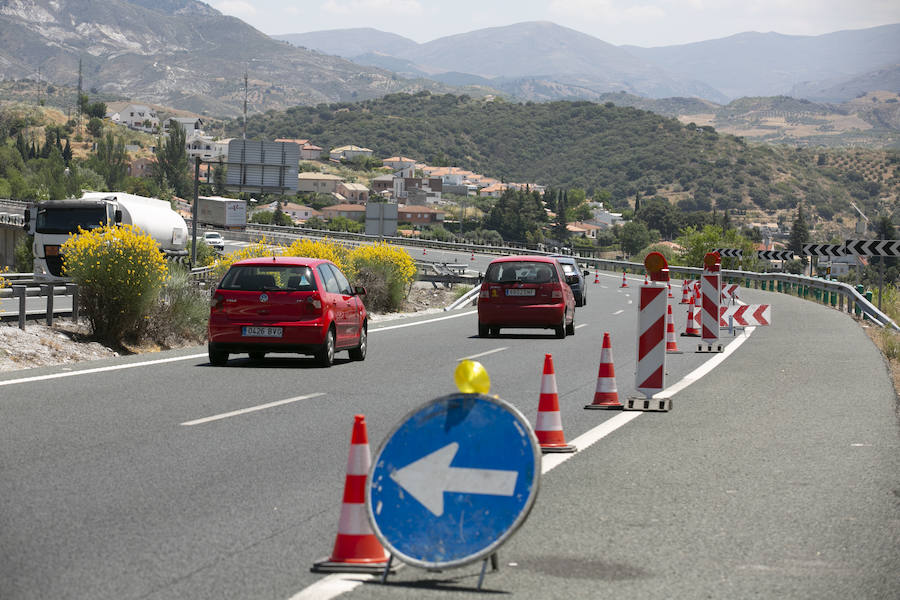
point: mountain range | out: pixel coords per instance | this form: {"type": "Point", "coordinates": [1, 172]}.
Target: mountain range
{"type": "Point", "coordinates": [186, 55]}
{"type": "Point", "coordinates": [541, 61]}
{"type": "Point", "coordinates": [178, 53]}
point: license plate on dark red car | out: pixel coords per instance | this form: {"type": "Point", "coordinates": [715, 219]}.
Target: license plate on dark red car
{"type": "Point", "coordinates": [273, 332]}
{"type": "Point", "coordinates": [520, 292]}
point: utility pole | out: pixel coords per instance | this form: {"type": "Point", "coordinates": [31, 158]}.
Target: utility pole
{"type": "Point", "coordinates": [78, 100]}
{"type": "Point", "coordinates": [244, 134]}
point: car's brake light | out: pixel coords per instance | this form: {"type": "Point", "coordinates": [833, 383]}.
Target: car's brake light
{"type": "Point", "coordinates": [556, 294]}
{"type": "Point", "coordinates": [216, 301]}
{"type": "Point", "coordinates": [485, 293]}
{"type": "Point", "coordinates": [314, 303]}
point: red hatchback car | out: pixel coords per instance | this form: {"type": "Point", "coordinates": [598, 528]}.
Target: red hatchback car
{"type": "Point", "coordinates": [525, 291]}
{"type": "Point", "coordinates": [286, 304]}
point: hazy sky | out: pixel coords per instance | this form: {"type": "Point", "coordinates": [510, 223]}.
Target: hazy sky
{"type": "Point", "coordinates": [639, 22]}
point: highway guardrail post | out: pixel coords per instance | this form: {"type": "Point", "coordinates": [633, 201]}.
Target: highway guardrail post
{"type": "Point", "coordinates": [833, 299]}
{"type": "Point", "coordinates": [47, 288]}
{"type": "Point", "coordinates": [19, 292]}
{"type": "Point", "coordinates": [72, 289]}
{"type": "Point", "coordinates": [869, 298]}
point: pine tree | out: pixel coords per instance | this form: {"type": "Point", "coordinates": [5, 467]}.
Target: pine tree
{"type": "Point", "coordinates": [799, 233]}
{"type": "Point", "coordinates": [67, 153]}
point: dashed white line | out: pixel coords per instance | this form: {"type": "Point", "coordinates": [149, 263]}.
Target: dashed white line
{"type": "Point", "coordinates": [495, 350]}
{"type": "Point", "coordinates": [618, 312]}
{"type": "Point", "coordinates": [582, 325]}
{"type": "Point", "coordinates": [251, 409]}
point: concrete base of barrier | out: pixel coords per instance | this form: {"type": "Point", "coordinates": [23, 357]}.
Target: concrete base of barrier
{"type": "Point", "coordinates": [648, 404]}
{"type": "Point", "coordinates": [709, 348]}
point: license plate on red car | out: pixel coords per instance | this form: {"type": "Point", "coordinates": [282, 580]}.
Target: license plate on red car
{"type": "Point", "coordinates": [274, 332]}
{"type": "Point", "coordinates": [520, 292]}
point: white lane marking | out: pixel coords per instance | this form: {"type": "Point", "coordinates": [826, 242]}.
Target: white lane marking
{"type": "Point", "coordinates": [582, 325]}
{"type": "Point", "coordinates": [335, 585]}
{"type": "Point", "coordinates": [470, 312]}
{"type": "Point", "coordinates": [187, 357]}
{"type": "Point", "coordinates": [244, 411]}
{"type": "Point", "coordinates": [585, 440]}
{"type": "Point", "coordinates": [618, 312]}
{"type": "Point", "coordinates": [495, 350]}
{"type": "Point", "coordinates": [101, 369]}
{"type": "Point", "coordinates": [332, 586]}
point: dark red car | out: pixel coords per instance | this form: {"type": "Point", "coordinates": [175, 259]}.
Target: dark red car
{"type": "Point", "coordinates": [286, 304]}
{"type": "Point", "coordinates": [525, 291]}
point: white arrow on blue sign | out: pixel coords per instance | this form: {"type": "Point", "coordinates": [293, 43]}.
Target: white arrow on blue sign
{"type": "Point", "coordinates": [453, 481]}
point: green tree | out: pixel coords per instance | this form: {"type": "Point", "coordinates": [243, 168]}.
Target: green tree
{"type": "Point", "coordinates": [799, 234]}
{"type": "Point", "coordinates": [95, 127]}
{"type": "Point", "coordinates": [110, 161]}
{"type": "Point", "coordinates": [172, 162]}
{"type": "Point", "coordinates": [697, 242]}
{"type": "Point", "coordinates": [634, 237]}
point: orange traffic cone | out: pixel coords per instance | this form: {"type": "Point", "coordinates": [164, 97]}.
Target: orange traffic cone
{"type": "Point", "coordinates": [645, 279]}
{"type": "Point", "coordinates": [606, 395]}
{"type": "Point", "coordinates": [473, 255]}
{"type": "Point", "coordinates": [685, 293]}
{"type": "Point", "coordinates": [624, 282]}
{"type": "Point", "coordinates": [669, 284]}
{"type": "Point", "coordinates": [596, 277]}
{"type": "Point", "coordinates": [671, 343]}
{"type": "Point", "coordinates": [356, 550]}
{"type": "Point", "coordinates": [424, 251]}
{"type": "Point", "coordinates": [549, 429]}
{"type": "Point", "coordinates": [690, 328]}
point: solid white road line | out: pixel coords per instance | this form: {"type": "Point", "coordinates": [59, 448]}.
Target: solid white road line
{"type": "Point", "coordinates": [582, 325]}
{"type": "Point", "coordinates": [244, 411]}
{"type": "Point", "coordinates": [187, 357]}
{"type": "Point", "coordinates": [483, 354]}
{"type": "Point", "coordinates": [101, 369]}
{"type": "Point", "coordinates": [470, 312]}
{"type": "Point", "coordinates": [334, 585]}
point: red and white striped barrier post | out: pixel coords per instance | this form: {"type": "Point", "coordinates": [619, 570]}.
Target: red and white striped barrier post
{"type": "Point", "coordinates": [710, 287]}
{"type": "Point", "coordinates": [651, 346]}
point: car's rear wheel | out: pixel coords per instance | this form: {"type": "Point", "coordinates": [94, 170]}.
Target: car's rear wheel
{"type": "Point", "coordinates": [325, 355]}
{"type": "Point", "coordinates": [257, 355]}
{"type": "Point", "coordinates": [359, 353]}
{"type": "Point", "coordinates": [570, 328]}
{"type": "Point", "coordinates": [483, 330]}
{"type": "Point", "coordinates": [494, 331]}
{"type": "Point", "coordinates": [217, 357]}
{"type": "Point", "coordinates": [561, 328]}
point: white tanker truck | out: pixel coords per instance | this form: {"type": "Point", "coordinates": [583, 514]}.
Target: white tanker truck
{"type": "Point", "coordinates": [53, 222]}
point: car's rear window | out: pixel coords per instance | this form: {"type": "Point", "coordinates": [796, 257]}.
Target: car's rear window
{"type": "Point", "coordinates": [521, 272]}
{"type": "Point", "coordinates": [259, 278]}
{"type": "Point", "coordinates": [568, 269]}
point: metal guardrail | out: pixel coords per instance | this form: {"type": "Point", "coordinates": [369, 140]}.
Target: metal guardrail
{"type": "Point", "coordinates": [46, 290]}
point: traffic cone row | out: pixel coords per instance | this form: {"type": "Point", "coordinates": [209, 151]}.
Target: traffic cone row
{"type": "Point", "coordinates": [548, 428]}
{"type": "Point", "coordinates": [356, 549]}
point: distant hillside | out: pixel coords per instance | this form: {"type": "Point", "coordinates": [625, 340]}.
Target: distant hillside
{"type": "Point", "coordinates": [601, 148]}
{"type": "Point", "coordinates": [769, 64]}
{"type": "Point", "coordinates": [180, 53]}
{"type": "Point", "coordinates": [517, 57]}
{"type": "Point", "coordinates": [847, 88]}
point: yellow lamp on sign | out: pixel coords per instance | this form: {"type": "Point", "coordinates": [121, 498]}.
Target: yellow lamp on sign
{"type": "Point", "coordinates": [711, 261]}
{"type": "Point", "coordinates": [657, 267]}
{"type": "Point", "coordinates": [471, 378]}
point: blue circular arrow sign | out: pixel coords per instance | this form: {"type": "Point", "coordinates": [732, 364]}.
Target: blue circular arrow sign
{"type": "Point", "coordinates": [453, 481]}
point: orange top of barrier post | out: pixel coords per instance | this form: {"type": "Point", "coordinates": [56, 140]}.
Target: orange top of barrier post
{"type": "Point", "coordinates": [712, 261]}
{"type": "Point", "coordinates": [657, 267]}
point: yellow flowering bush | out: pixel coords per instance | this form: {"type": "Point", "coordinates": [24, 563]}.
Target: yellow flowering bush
{"type": "Point", "coordinates": [386, 271]}
{"type": "Point", "coordinates": [254, 250]}
{"type": "Point", "coordinates": [4, 282]}
{"type": "Point", "coordinates": [327, 249]}
{"type": "Point", "coordinates": [119, 271]}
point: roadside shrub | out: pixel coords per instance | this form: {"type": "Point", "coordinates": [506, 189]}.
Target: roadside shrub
{"type": "Point", "coordinates": [4, 282]}
{"type": "Point", "coordinates": [24, 255]}
{"type": "Point", "coordinates": [327, 249]}
{"type": "Point", "coordinates": [181, 313]}
{"type": "Point", "coordinates": [890, 344]}
{"type": "Point", "coordinates": [386, 272]}
{"type": "Point", "coordinates": [206, 256]}
{"type": "Point", "coordinates": [255, 250]}
{"type": "Point", "coordinates": [119, 272]}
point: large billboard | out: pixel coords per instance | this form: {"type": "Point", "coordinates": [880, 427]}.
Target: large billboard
{"type": "Point", "coordinates": [258, 166]}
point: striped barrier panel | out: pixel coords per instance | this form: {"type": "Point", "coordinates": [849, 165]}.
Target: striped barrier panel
{"type": "Point", "coordinates": [746, 315]}
{"type": "Point", "coordinates": [651, 348]}
{"type": "Point", "coordinates": [709, 308]}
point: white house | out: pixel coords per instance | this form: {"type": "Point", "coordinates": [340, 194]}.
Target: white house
{"type": "Point", "coordinates": [137, 116]}
{"type": "Point", "coordinates": [348, 152]}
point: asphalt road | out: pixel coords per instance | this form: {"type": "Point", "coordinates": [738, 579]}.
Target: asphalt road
{"type": "Point", "coordinates": [775, 475]}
